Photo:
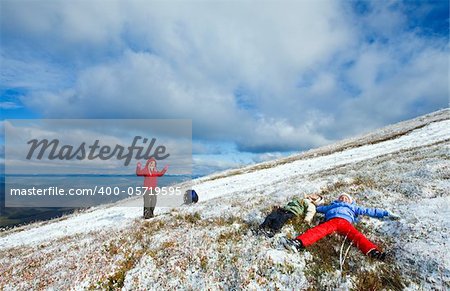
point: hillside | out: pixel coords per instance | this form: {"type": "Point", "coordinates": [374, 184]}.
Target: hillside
{"type": "Point", "coordinates": [403, 168]}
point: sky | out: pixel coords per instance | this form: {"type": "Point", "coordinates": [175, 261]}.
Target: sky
{"type": "Point", "coordinates": [259, 79]}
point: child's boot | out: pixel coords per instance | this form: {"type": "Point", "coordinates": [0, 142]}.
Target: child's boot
{"type": "Point", "coordinates": [376, 254]}
{"type": "Point", "coordinates": [294, 245]}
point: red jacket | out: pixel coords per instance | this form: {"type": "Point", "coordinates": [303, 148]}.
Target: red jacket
{"type": "Point", "coordinates": [151, 176]}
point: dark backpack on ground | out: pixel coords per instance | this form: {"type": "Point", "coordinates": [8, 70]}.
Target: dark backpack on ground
{"type": "Point", "coordinates": [276, 220]}
{"type": "Point", "coordinates": [190, 196]}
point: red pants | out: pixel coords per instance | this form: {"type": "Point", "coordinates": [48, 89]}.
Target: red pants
{"type": "Point", "coordinates": [343, 227]}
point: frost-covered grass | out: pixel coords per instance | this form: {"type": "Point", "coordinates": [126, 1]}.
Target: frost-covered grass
{"type": "Point", "coordinates": [211, 245]}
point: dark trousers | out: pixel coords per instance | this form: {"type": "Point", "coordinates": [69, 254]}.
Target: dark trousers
{"type": "Point", "coordinates": [149, 205]}
{"type": "Point", "coordinates": [277, 219]}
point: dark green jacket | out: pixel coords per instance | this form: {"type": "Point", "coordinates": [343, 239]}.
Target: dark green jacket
{"type": "Point", "coordinates": [302, 207]}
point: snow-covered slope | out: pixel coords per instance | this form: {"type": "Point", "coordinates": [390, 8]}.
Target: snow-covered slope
{"type": "Point", "coordinates": [403, 168]}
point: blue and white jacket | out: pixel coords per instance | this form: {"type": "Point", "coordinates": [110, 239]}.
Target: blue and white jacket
{"type": "Point", "coordinates": [349, 212]}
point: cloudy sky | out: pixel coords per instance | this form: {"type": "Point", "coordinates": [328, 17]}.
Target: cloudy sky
{"type": "Point", "coordinates": [259, 79]}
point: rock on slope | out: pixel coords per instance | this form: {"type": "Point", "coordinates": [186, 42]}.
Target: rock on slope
{"type": "Point", "coordinates": [403, 168]}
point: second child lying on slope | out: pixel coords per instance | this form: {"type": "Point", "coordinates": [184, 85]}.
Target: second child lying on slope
{"type": "Point", "coordinates": [296, 207]}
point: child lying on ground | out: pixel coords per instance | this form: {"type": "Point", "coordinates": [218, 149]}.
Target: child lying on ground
{"type": "Point", "coordinates": [339, 217]}
{"type": "Point", "coordinates": [297, 207]}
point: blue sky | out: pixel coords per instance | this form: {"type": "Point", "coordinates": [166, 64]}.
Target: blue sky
{"type": "Point", "coordinates": [259, 79]}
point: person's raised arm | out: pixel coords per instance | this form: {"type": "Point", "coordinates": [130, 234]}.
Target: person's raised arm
{"type": "Point", "coordinates": [163, 171]}
{"type": "Point", "coordinates": [139, 171]}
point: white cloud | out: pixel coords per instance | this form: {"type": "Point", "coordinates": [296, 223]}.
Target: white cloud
{"type": "Point", "coordinates": [268, 157]}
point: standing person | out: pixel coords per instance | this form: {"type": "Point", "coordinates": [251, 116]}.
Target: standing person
{"type": "Point", "coordinates": [339, 217]}
{"type": "Point", "coordinates": [296, 207]}
{"type": "Point", "coordinates": [151, 175]}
